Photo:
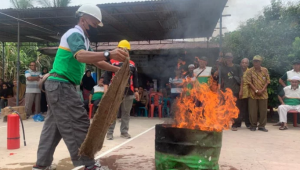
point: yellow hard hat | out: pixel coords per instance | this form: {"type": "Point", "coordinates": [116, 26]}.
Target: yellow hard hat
{"type": "Point", "coordinates": [124, 44]}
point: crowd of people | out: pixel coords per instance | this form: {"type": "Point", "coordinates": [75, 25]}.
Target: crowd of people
{"type": "Point", "coordinates": [249, 87]}
{"type": "Point", "coordinates": [67, 111]}
{"type": "Point", "coordinates": [29, 94]}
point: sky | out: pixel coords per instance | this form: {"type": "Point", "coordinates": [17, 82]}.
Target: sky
{"type": "Point", "coordinates": [240, 10]}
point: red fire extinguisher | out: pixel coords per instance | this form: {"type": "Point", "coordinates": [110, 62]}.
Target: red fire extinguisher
{"type": "Point", "coordinates": [13, 131]}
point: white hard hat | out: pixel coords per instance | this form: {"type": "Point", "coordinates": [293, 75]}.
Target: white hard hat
{"type": "Point", "coordinates": [92, 10]}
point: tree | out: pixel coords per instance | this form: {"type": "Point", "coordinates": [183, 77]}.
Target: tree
{"type": "Point", "coordinates": [54, 3]}
{"type": "Point", "coordinates": [271, 35]}
{"type": "Point", "coordinates": [28, 53]}
{"type": "Point", "coordinates": [22, 4]}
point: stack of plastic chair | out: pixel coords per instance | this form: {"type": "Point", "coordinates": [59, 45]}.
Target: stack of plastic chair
{"type": "Point", "coordinates": [166, 108]}
{"type": "Point", "coordinates": [157, 102]}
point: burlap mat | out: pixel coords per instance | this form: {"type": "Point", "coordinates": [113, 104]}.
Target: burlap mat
{"type": "Point", "coordinates": [106, 113]}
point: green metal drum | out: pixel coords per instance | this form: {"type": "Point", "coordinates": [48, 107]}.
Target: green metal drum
{"type": "Point", "coordinates": [186, 149]}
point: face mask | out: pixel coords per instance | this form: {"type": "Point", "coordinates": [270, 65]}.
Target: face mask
{"type": "Point", "coordinates": [92, 33]}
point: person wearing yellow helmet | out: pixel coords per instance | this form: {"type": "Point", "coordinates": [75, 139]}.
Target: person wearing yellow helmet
{"type": "Point", "coordinates": [124, 44]}
{"type": "Point", "coordinates": [131, 92]}
{"type": "Point", "coordinates": [66, 118]}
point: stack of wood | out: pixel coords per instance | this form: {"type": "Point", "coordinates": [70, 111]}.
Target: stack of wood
{"type": "Point", "coordinates": [106, 113]}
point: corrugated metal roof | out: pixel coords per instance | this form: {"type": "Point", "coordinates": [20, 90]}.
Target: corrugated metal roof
{"type": "Point", "coordinates": [135, 21]}
{"type": "Point", "coordinates": [141, 46]}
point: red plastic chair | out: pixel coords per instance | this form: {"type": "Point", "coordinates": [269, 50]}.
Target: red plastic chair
{"type": "Point", "coordinates": [90, 110]}
{"type": "Point", "coordinates": [157, 97]}
{"type": "Point", "coordinates": [295, 112]}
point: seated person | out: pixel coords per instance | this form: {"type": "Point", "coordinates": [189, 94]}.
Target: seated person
{"type": "Point", "coordinates": [176, 85]}
{"type": "Point", "coordinates": [96, 95]}
{"type": "Point", "coordinates": [4, 95]}
{"type": "Point", "coordinates": [290, 100]}
{"type": "Point", "coordinates": [22, 88]}
{"type": "Point", "coordinates": [143, 96]}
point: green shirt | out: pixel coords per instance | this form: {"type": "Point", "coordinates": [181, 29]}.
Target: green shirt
{"type": "Point", "coordinates": [97, 92]}
{"type": "Point", "coordinates": [65, 63]}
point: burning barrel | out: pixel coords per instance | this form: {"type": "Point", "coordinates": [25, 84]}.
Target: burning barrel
{"type": "Point", "coordinates": [186, 149]}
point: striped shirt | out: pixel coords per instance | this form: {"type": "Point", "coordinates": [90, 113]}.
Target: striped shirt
{"type": "Point", "coordinates": [258, 79]}
{"type": "Point", "coordinates": [32, 86]}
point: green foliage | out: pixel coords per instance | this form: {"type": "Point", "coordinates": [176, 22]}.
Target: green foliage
{"type": "Point", "coordinates": [28, 53]}
{"type": "Point", "coordinates": [22, 4]}
{"type": "Point", "coordinates": [54, 3]}
{"type": "Point", "coordinates": [275, 36]}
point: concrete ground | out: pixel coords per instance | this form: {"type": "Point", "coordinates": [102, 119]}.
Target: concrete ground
{"type": "Point", "coordinates": [241, 150]}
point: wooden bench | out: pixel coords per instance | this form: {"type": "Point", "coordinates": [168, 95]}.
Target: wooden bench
{"type": "Point", "coordinates": [295, 112]}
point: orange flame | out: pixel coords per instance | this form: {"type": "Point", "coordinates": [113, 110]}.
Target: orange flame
{"type": "Point", "coordinates": [217, 110]}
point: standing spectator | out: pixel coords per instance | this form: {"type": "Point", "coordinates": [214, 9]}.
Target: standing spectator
{"type": "Point", "coordinates": [33, 93]}
{"type": "Point", "coordinates": [131, 92]}
{"type": "Point", "coordinates": [258, 79]}
{"type": "Point", "coordinates": [203, 73]}
{"type": "Point", "coordinates": [191, 68]}
{"type": "Point", "coordinates": [176, 85]}
{"type": "Point", "coordinates": [181, 65]}
{"type": "Point", "coordinates": [215, 69]}
{"type": "Point", "coordinates": [289, 99]}
{"type": "Point", "coordinates": [44, 107]}
{"type": "Point", "coordinates": [87, 84]}
{"type": "Point", "coordinates": [289, 74]}
{"type": "Point", "coordinates": [22, 90]}
{"type": "Point", "coordinates": [231, 76]}
{"type": "Point", "coordinates": [244, 101]}
{"type": "Point", "coordinates": [144, 99]}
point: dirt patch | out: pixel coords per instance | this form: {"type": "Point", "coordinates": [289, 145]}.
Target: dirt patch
{"type": "Point", "coordinates": [113, 162]}
{"type": "Point", "coordinates": [128, 162]}
{"type": "Point", "coordinates": [228, 167]}
{"type": "Point", "coordinates": [64, 164]}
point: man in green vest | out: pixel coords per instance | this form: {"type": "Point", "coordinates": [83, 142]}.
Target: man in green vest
{"type": "Point", "coordinates": [66, 117]}
{"type": "Point", "coordinates": [202, 73]}
{"type": "Point", "coordinates": [290, 100]}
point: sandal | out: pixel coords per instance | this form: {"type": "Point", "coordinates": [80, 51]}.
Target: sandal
{"type": "Point", "coordinates": [283, 128]}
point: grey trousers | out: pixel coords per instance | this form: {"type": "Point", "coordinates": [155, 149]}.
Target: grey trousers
{"type": "Point", "coordinates": [66, 119]}
{"type": "Point", "coordinates": [31, 98]}
{"type": "Point", "coordinates": [125, 108]}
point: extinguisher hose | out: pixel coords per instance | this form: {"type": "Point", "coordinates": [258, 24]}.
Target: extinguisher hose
{"type": "Point", "coordinates": [21, 124]}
